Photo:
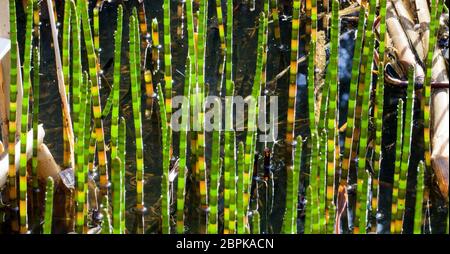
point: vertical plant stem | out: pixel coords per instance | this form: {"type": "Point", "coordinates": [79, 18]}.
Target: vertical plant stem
{"type": "Point", "coordinates": [13, 91]}
{"type": "Point", "coordinates": [137, 116]}
{"type": "Point", "coordinates": [418, 208]}
{"type": "Point", "coordinates": [406, 152]}
{"type": "Point", "coordinates": [48, 214]}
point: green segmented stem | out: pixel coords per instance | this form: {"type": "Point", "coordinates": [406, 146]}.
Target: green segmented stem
{"type": "Point", "coordinates": [311, 96]}
{"type": "Point", "coordinates": [293, 76]}
{"type": "Point", "coordinates": [332, 147]}
{"type": "Point", "coordinates": [34, 161]}
{"type": "Point", "coordinates": [201, 164]}
{"type": "Point", "coordinates": [435, 13]}
{"type": "Point", "coordinates": [378, 111]}
{"type": "Point", "coordinates": [256, 222]}
{"type": "Point", "coordinates": [275, 19]}
{"type": "Point", "coordinates": [12, 116]}
{"type": "Point", "coordinates": [165, 134]}
{"type": "Point", "coordinates": [361, 215]}
{"type": "Point", "coordinates": [167, 59]}
{"type": "Point", "coordinates": [116, 84]}
{"type": "Point", "coordinates": [221, 27]}
{"type": "Point", "coordinates": [398, 163]}
{"type": "Point", "coordinates": [181, 186]}
{"type": "Point", "coordinates": [250, 141]}
{"type": "Point", "coordinates": [290, 218]}
{"type": "Point", "coordinates": [213, 226]}
{"type": "Point", "coordinates": [66, 71]}
{"type": "Point", "coordinates": [229, 142]}
{"type": "Point", "coordinates": [48, 214]}
{"type": "Point", "coordinates": [313, 183]}
{"type": "Point", "coordinates": [80, 117]}
{"type": "Point", "coordinates": [137, 115]}
{"type": "Point", "coordinates": [117, 195]}
{"type": "Point", "coordinates": [240, 209]}
{"type": "Point", "coordinates": [106, 220]}
{"type": "Point", "coordinates": [406, 152]}
{"type": "Point", "coordinates": [28, 52]}
{"type": "Point", "coordinates": [95, 22]}
{"type": "Point", "coordinates": [121, 155]}
{"type": "Point", "coordinates": [155, 46]}
{"type": "Point", "coordinates": [81, 168]}
{"type": "Point", "coordinates": [97, 111]}
{"type": "Point", "coordinates": [66, 45]}
{"type": "Point", "coordinates": [366, 61]}
{"type": "Point", "coordinates": [418, 208]}
{"type": "Point", "coordinates": [116, 174]}
{"type": "Point", "coordinates": [77, 70]}
{"type": "Point", "coordinates": [308, 209]}
{"type": "Point", "coordinates": [353, 89]}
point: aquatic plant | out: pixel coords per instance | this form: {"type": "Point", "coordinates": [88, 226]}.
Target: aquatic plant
{"type": "Point", "coordinates": [136, 98]}
{"type": "Point", "coordinates": [378, 109]}
{"type": "Point", "coordinates": [48, 214]}
{"type": "Point", "coordinates": [165, 135]}
{"type": "Point", "coordinates": [398, 162]}
{"type": "Point", "coordinates": [12, 127]}
{"type": "Point", "coordinates": [94, 89]}
{"type": "Point", "coordinates": [66, 71]}
{"type": "Point", "coordinates": [418, 208]}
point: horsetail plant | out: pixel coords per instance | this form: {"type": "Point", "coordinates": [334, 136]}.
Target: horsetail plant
{"type": "Point", "coordinates": [293, 77]}
{"type": "Point", "coordinates": [66, 71]}
{"type": "Point", "coordinates": [406, 152]}
{"type": "Point", "coordinates": [165, 134]}
{"type": "Point", "coordinates": [48, 214]}
{"type": "Point", "coordinates": [418, 208]}
{"type": "Point", "coordinates": [13, 90]}
{"type": "Point", "coordinates": [378, 110]}
{"type": "Point", "coordinates": [398, 163]}
{"type": "Point", "coordinates": [34, 161]}
{"type": "Point", "coordinates": [181, 188]}
{"type": "Point", "coordinates": [28, 53]}
{"type": "Point", "coordinates": [121, 148]}
{"type": "Point", "coordinates": [135, 84]}
{"type": "Point", "coordinates": [93, 64]}
{"type": "Point", "coordinates": [332, 73]}
{"type": "Point", "coordinates": [353, 89]}
{"type": "Point", "coordinates": [240, 209]}
{"type": "Point", "coordinates": [230, 146]}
